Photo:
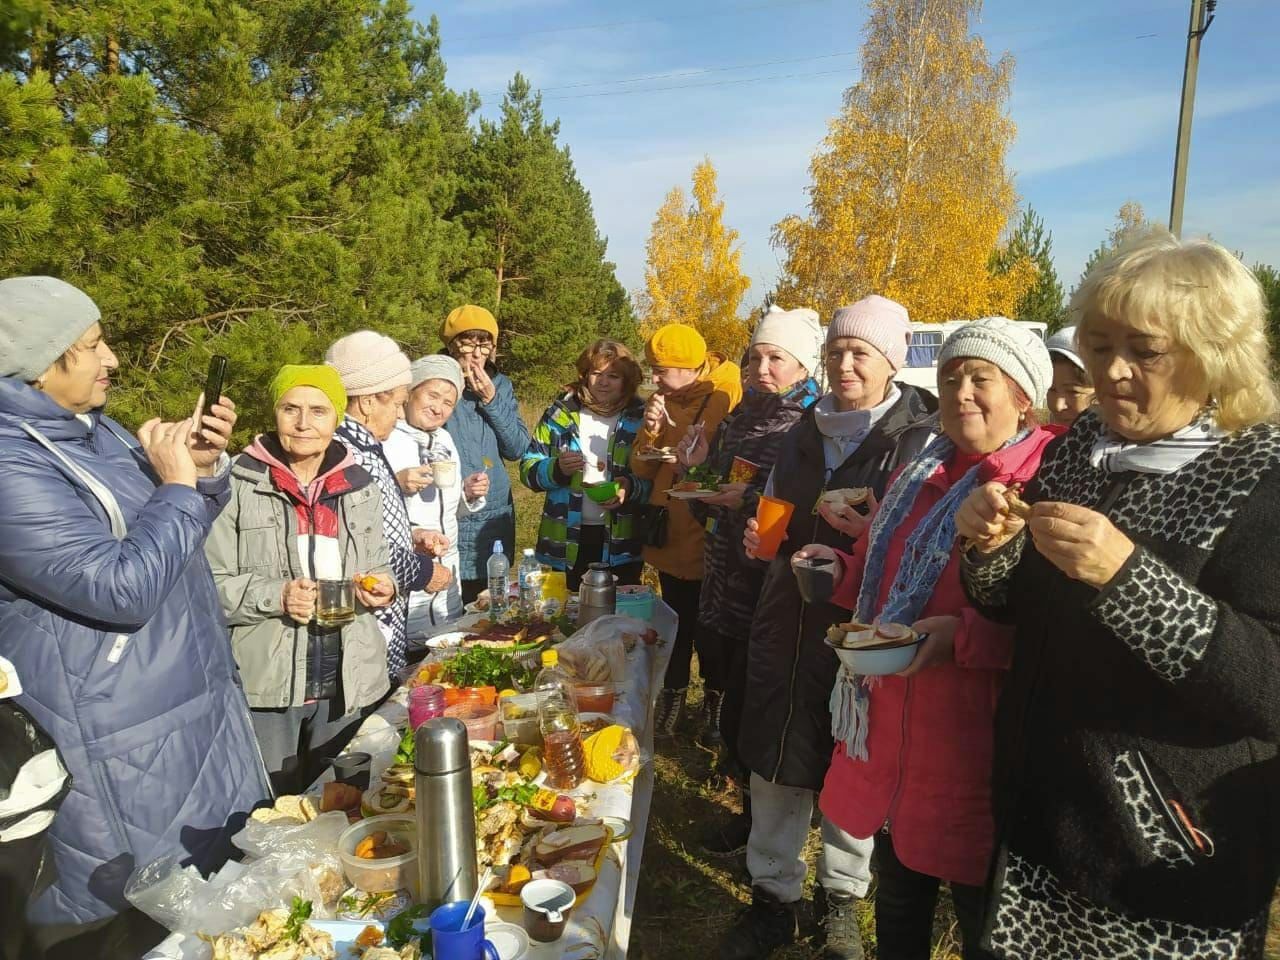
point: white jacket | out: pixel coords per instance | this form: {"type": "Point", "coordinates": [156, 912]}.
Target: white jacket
{"type": "Point", "coordinates": [433, 508]}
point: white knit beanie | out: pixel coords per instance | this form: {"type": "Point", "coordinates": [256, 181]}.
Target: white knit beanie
{"type": "Point", "coordinates": [1013, 347]}
{"type": "Point", "coordinates": [877, 320]}
{"type": "Point", "coordinates": [368, 362]}
{"type": "Point", "coordinates": [41, 318]}
{"type": "Point", "coordinates": [436, 366]}
{"type": "Point", "coordinates": [796, 331]}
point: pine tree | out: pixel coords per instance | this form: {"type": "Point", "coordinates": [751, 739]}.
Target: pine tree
{"type": "Point", "coordinates": [1043, 301]}
{"type": "Point", "coordinates": [1131, 225]}
{"type": "Point", "coordinates": [694, 272]}
{"type": "Point", "coordinates": [910, 193]}
{"type": "Point", "coordinates": [1269, 277]}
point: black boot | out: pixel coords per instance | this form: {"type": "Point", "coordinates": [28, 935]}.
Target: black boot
{"type": "Point", "coordinates": [667, 712]}
{"type": "Point", "coordinates": [712, 704]}
{"type": "Point", "coordinates": [728, 838]}
{"type": "Point", "coordinates": [762, 928]}
{"type": "Point", "coordinates": [842, 940]}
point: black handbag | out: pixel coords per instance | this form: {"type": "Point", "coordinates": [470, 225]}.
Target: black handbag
{"type": "Point", "coordinates": [653, 526]}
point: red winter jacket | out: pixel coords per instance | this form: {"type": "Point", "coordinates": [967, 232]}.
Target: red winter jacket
{"type": "Point", "coordinates": [929, 736]}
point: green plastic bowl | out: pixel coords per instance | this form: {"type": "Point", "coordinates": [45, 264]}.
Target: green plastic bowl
{"type": "Point", "coordinates": [601, 492]}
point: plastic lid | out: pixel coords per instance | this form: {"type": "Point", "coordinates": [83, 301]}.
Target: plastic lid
{"type": "Point", "coordinates": [509, 940]}
{"type": "Point", "coordinates": [528, 551]}
{"type": "Point", "coordinates": [497, 546]}
{"type": "Point", "coordinates": [550, 658]}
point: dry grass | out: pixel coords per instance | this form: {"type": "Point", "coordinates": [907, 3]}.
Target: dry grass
{"type": "Point", "coordinates": [686, 901]}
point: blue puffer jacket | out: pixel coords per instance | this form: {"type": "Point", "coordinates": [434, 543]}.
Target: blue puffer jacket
{"type": "Point", "coordinates": [492, 430]}
{"type": "Point", "coordinates": [123, 654]}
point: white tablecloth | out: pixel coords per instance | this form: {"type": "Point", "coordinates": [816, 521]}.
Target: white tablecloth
{"type": "Point", "coordinates": [600, 926]}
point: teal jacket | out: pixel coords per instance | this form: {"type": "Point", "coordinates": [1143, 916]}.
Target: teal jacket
{"type": "Point", "coordinates": [560, 530]}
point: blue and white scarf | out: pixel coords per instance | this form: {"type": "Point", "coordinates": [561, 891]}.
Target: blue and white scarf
{"type": "Point", "coordinates": [926, 555]}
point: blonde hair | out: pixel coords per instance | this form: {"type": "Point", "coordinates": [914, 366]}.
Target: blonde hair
{"type": "Point", "coordinates": [1207, 301]}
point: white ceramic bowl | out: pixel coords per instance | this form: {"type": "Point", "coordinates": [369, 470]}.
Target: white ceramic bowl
{"type": "Point", "coordinates": [877, 663]}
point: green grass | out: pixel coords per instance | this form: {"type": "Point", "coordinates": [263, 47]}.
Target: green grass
{"type": "Point", "coordinates": [686, 901]}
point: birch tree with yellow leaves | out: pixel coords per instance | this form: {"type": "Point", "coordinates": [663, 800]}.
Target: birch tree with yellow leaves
{"type": "Point", "coordinates": [910, 195]}
{"type": "Point", "coordinates": [694, 274]}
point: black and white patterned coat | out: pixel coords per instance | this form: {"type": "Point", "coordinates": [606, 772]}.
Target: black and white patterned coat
{"type": "Point", "coordinates": [1136, 782]}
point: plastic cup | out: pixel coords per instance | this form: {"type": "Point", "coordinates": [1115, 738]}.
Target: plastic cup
{"type": "Point", "coordinates": [743, 470]}
{"type": "Point", "coordinates": [450, 942]}
{"type": "Point", "coordinates": [481, 720]}
{"type": "Point", "coordinates": [772, 516]}
{"type": "Point", "coordinates": [353, 769]}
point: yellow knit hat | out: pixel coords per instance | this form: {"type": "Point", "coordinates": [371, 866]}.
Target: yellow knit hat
{"type": "Point", "coordinates": [676, 345]}
{"type": "Point", "coordinates": [468, 317]}
{"type": "Point", "coordinates": [319, 375]}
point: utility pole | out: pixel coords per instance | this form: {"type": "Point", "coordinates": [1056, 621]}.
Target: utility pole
{"type": "Point", "coordinates": [1201, 17]}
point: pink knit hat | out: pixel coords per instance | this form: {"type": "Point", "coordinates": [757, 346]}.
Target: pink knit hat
{"type": "Point", "coordinates": [368, 362]}
{"type": "Point", "coordinates": [881, 322]}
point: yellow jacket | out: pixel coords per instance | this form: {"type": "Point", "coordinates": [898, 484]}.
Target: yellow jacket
{"type": "Point", "coordinates": [721, 386]}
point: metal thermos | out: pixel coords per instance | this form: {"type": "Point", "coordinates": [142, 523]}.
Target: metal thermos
{"type": "Point", "coordinates": [598, 594]}
{"type": "Point", "coordinates": [446, 813]}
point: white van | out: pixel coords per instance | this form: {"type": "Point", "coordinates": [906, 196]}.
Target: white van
{"type": "Point", "coordinates": [921, 369]}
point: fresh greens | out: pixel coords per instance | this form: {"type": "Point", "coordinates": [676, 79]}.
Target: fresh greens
{"type": "Point", "coordinates": [521, 794]}
{"type": "Point", "coordinates": [299, 914]}
{"type": "Point", "coordinates": [486, 667]}
{"type": "Point", "coordinates": [400, 928]}
{"type": "Point", "coordinates": [366, 904]}
{"type": "Point", "coordinates": [404, 753]}
{"type": "Point", "coordinates": [704, 476]}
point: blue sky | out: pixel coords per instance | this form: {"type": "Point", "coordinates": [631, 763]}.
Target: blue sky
{"type": "Point", "coordinates": [753, 83]}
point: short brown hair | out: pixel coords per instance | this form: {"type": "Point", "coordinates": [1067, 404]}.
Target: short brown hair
{"type": "Point", "coordinates": [605, 353]}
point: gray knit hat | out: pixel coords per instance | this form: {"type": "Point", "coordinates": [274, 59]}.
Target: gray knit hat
{"type": "Point", "coordinates": [437, 366]}
{"type": "Point", "coordinates": [1013, 347]}
{"type": "Point", "coordinates": [41, 318]}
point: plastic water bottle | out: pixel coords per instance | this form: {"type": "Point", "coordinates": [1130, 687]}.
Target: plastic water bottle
{"type": "Point", "coordinates": [530, 583]}
{"type": "Point", "coordinates": [499, 570]}
{"type": "Point", "coordinates": [562, 754]}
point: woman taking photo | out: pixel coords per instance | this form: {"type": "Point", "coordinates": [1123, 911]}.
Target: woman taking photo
{"type": "Point", "coordinates": [1136, 743]}
{"type": "Point", "coordinates": [780, 365]}
{"type": "Point", "coordinates": [303, 511]}
{"type": "Point", "coordinates": [912, 761]}
{"type": "Point", "coordinates": [854, 437]}
{"type": "Point", "coordinates": [109, 614]}
{"type": "Point", "coordinates": [584, 439]}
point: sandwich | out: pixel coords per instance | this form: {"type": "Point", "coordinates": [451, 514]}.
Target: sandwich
{"type": "Point", "coordinates": [849, 497]}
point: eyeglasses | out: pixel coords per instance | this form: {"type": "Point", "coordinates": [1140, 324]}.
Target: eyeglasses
{"type": "Point", "coordinates": [473, 346]}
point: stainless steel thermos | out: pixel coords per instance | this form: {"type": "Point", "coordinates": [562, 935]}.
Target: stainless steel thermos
{"type": "Point", "coordinates": [446, 813]}
{"type": "Point", "coordinates": [598, 594]}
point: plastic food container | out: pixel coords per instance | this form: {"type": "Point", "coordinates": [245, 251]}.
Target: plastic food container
{"type": "Point", "coordinates": [481, 720]}
{"type": "Point", "coordinates": [388, 874]}
{"type": "Point", "coordinates": [635, 601]}
{"type": "Point", "coordinates": [520, 719]}
{"type": "Point", "coordinates": [458, 695]}
{"type": "Point", "coordinates": [595, 697]}
{"type": "Point", "coordinates": [601, 492]}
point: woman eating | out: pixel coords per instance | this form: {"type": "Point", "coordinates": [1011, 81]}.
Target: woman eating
{"type": "Point", "coordinates": [583, 442]}
{"type": "Point", "coordinates": [1136, 768]}
{"type": "Point", "coordinates": [302, 512]}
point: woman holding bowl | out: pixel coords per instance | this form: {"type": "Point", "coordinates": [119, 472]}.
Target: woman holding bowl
{"type": "Point", "coordinates": [1136, 768]}
{"type": "Point", "coordinates": [912, 760]}
{"type": "Point", "coordinates": [303, 512]}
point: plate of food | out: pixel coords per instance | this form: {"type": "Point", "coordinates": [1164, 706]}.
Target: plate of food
{"type": "Point", "coordinates": [446, 641]}
{"type": "Point", "coordinates": [873, 650]}
{"type": "Point", "coordinates": [665, 454]}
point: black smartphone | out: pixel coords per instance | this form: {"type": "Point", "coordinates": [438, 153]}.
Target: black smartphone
{"type": "Point", "coordinates": [214, 382]}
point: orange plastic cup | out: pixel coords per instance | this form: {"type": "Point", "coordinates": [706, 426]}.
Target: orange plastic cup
{"type": "Point", "coordinates": [772, 516]}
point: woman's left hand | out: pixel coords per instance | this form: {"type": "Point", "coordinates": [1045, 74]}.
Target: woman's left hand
{"type": "Point", "coordinates": [1080, 542]}
{"type": "Point", "coordinates": [693, 449]}
{"type": "Point", "coordinates": [730, 495]}
{"type": "Point", "coordinates": [431, 543]}
{"type": "Point", "coordinates": [475, 486]}
{"type": "Point", "coordinates": [375, 589]}
{"type": "Point", "coordinates": [848, 520]}
{"type": "Point", "coordinates": [938, 648]}
{"type": "Point", "coordinates": [624, 488]}
{"type": "Point", "coordinates": [478, 380]}
{"type": "Point", "coordinates": [213, 434]}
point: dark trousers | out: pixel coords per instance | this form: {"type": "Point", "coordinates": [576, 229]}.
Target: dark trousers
{"type": "Point", "coordinates": [682, 597]}
{"type": "Point", "coordinates": [126, 936]}
{"type": "Point", "coordinates": [722, 661]}
{"type": "Point", "coordinates": [591, 550]}
{"type": "Point", "coordinates": [298, 743]}
{"type": "Point", "coordinates": [905, 902]}
{"type": "Point", "coordinates": [471, 589]}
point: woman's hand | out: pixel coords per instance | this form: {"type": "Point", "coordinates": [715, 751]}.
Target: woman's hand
{"type": "Point", "coordinates": [655, 415]}
{"type": "Point", "coordinates": [299, 599]}
{"type": "Point", "coordinates": [820, 552]}
{"type": "Point", "coordinates": [939, 646]}
{"type": "Point", "coordinates": [1080, 542]}
{"type": "Point", "coordinates": [984, 518]}
{"type": "Point", "coordinates": [210, 441]}
{"type": "Point", "coordinates": [168, 450]}
{"type": "Point", "coordinates": [730, 495]}
{"type": "Point", "coordinates": [413, 480]}
{"type": "Point", "coordinates": [847, 519]}
{"type": "Point", "coordinates": [751, 539]}
{"type": "Point", "coordinates": [430, 543]}
{"type": "Point", "coordinates": [624, 490]}
{"type": "Point", "coordinates": [478, 379]}
{"type": "Point", "coordinates": [441, 577]}
{"type": "Point", "coordinates": [475, 486]}
{"type": "Point", "coordinates": [375, 589]}
{"type": "Point", "coordinates": [569, 462]}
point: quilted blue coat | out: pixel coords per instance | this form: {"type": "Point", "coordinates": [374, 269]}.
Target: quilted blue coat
{"type": "Point", "coordinates": [118, 635]}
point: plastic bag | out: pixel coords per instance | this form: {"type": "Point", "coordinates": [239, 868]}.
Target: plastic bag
{"type": "Point", "coordinates": [261, 840]}
{"type": "Point", "coordinates": [597, 653]}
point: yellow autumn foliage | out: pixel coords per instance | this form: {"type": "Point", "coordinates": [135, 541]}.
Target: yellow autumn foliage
{"type": "Point", "coordinates": [910, 195]}
{"type": "Point", "coordinates": [693, 274]}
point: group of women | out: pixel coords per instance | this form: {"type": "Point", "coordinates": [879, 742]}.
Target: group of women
{"type": "Point", "coordinates": [1084, 747]}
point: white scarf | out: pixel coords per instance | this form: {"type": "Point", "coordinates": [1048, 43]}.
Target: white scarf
{"type": "Point", "coordinates": [1117, 455]}
{"type": "Point", "coordinates": [844, 430]}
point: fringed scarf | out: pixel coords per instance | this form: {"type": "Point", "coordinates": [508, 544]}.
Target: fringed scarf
{"type": "Point", "coordinates": [926, 555]}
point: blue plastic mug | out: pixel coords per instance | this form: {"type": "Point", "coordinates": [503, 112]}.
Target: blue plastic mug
{"type": "Point", "coordinates": [450, 942]}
